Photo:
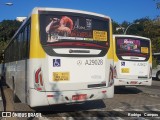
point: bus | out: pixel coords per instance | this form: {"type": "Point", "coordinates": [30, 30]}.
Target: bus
{"type": "Point", "coordinates": [132, 60]}
{"type": "Point", "coordinates": [61, 56]}
{"type": "Point", "coordinates": [156, 70]}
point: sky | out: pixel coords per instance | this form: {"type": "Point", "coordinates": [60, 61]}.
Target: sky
{"type": "Point", "coordinates": [118, 10]}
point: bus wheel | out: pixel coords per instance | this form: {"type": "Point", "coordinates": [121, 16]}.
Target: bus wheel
{"type": "Point", "coordinates": [158, 75]}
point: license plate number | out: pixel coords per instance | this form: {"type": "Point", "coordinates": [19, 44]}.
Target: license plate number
{"type": "Point", "coordinates": [60, 76]}
{"type": "Point", "coordinates": [79, 97]}
{"type": "Point", "coordinates": [125, 70]}
{"type": "Point", "coordinates": [133, 82]}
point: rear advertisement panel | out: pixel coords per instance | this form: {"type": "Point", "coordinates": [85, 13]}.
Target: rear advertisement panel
{"type": "Point", "coordinates": [56, 27]}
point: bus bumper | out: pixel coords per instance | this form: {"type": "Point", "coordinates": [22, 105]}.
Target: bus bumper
{"type": "Point", "coordinates": [134, 82]}
{"type": "Point", "coordinates": [37, 98]}
{"type": "Point", "coordinates": [66, 97]}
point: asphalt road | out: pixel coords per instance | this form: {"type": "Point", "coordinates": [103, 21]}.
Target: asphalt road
{"type": "Point", "coordinates": [127, 101]}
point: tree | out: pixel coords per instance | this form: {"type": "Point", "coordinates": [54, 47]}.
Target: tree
{"type": "Point", "coordinates": [157, 4]}
{"type": "Point", "coordinates": [7, 30]}
{"type": "Point", "coordinates": [114, 26]}
{"type": "Point", "coordinates": [146, 28]}
{"type": "Point", "coordinates": [119, 28]}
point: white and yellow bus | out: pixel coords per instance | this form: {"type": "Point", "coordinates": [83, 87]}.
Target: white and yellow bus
{"type": "Point", "coordinates": [156, 69]}
{"type": "Point", "coordinates": [132, 60]}
{"type": "Point", "coordinates": [61, 56]}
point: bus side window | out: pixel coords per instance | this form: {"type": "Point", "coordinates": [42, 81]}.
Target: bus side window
{"type": "Point", "coordinates": [25, 43]}
{"type": "Point", "coordinates": [28, 39]}
{"type": "Point", "coordinates": [157, 57]}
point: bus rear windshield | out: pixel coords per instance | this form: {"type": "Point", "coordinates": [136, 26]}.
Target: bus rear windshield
{"type": "Point", "coordinates": [60, 27]}
{"type": "Point", "coordinates": [132, 47]}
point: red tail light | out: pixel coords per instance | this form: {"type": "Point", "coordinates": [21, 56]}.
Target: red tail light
{"type": "Point", "coordinates": [115, 72]}
{"type": "Point", "coordinates": [39, 80]}
{"type": "Point", "coordinates": [50, 95]}
{"type": "Point", "coordinates": [150, 73]}
{"type": "Point", "coordinates": [104, 91]}
{"type": "Point", "coordinates": [37, 75]}
{"type": "Point", "coordinates": [39, 89]}
{"type": "Point", "coordinates": [111, 80]}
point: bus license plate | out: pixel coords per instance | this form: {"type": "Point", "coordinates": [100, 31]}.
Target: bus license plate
{"type": "Point", "coordinates": [125, 70]}
{"type": "Point", "coordinates": [133, 82]}
{"type": "Point", "coordinates": [79, 97]}
{"type": "Point", "coordinates": [60, 76]}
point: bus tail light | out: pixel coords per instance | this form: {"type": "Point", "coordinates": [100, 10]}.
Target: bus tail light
{"type": "Point", "coordinates": [50, 96]}
{"type": "Point", "coordinates": [150, 73]}
{"type": "Point", "coordinates": [37, 75]}
{"type": "Point", "coordinates": [39, 80]}
{"type": "Point", "coordinates": [104, 91]}
{"type": "Point", "coordinates": [111, 80]}
{"type": "Point", "coordinates": [115, 72]}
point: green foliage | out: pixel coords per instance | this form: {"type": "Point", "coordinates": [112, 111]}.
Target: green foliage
{"type": "Point", "coordinates": [7, 30]}
{"type": "Point", "coordinates": [146, 28]}
{"type": "Point", "coordinates": [152, 31]}
{"type": "Point", "coordinates": [154, 63]}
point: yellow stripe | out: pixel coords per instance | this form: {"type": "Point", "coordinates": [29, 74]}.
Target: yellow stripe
{"type": "Point", "coordinates": [150, 58]}
{"type": "Point", "coordinates": [110, 51]}
{"type": "Point", "coordinates": [114, 50]}
{"type": "Point", "coordinates": [36, 50]}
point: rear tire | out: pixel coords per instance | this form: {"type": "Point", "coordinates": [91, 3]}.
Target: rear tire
{"type": "Point", "coordinates": [158, 75]}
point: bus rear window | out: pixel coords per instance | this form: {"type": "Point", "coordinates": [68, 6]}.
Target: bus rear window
{"type": "Point", "coordinates": [132, 47]}
{"type": "Point", "coordinates": [73, 27]}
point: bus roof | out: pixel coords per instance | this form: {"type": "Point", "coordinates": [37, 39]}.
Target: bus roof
{"type": "Point", "coordinates": [36, 9]}
{"type": "Point", "coordinates": [122, 35]}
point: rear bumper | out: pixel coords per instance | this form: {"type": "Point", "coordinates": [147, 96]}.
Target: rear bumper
{"type": "Point", "coordinates": [134, 82]}
{"type": "Point", "coordinates": [37, 98]}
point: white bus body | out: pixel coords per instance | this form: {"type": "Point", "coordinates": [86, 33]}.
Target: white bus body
{"type": "Point", "coordinates": [156, 70]}
{"type": "Point", "coordinates": [72, 64]}
{"type": "Point", "coordinates": [132, 60]}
